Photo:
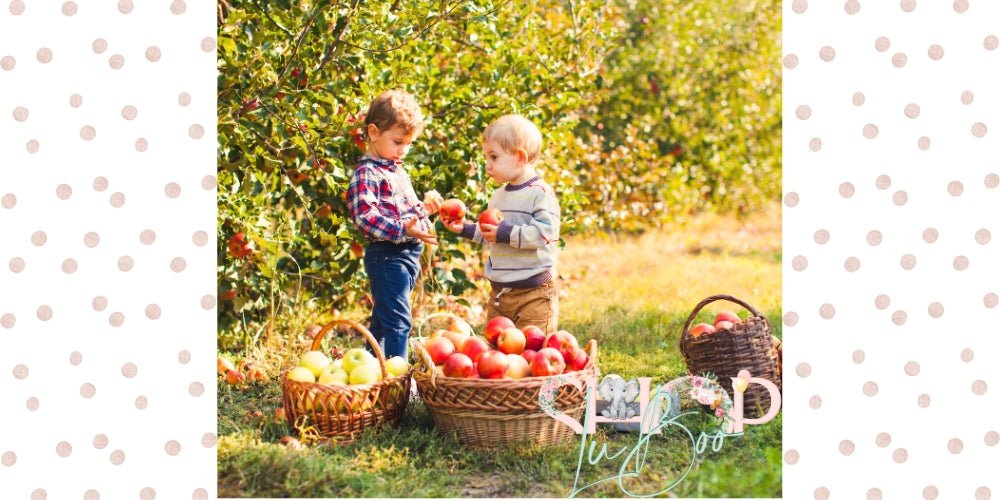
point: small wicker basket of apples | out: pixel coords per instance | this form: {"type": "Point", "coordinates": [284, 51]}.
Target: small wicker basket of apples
{"type": "Point", "coordinates": [342, 397]}
{"type": "Point", "coordinates": [486, 388]}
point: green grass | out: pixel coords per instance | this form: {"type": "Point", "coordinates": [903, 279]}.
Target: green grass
{"type": "Point", "coordinates": [632, 295]}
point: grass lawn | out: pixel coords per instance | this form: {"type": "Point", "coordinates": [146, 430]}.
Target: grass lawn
{"type": "Point", "coordinates": [632, 295]}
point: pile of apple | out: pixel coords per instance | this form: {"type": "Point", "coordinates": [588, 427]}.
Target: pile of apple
{"type": "Point", "coordinates": [249, 371]}
{"type": "Point", "coordinates": [357, 367]}
{"type": "Point", "coordinates": [725, 320]}
{"type": "Point", "coordinates": [505, 352]}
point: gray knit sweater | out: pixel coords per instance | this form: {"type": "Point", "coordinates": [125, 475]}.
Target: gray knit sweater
{"type": "Point", "coordinates": [526, 249]}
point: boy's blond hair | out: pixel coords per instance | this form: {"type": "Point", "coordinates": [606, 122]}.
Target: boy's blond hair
{"type": "Point", "coordinates": [513, 132]}
{"type": "Point", "coordinates": [395, 108]}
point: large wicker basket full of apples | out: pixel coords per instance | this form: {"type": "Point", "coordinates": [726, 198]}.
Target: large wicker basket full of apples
{"type": "Point", "coordinates": [486, 389]}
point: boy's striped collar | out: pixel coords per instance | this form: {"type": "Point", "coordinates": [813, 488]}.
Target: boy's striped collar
{"type": "Point", "coordinates": [379, 162]}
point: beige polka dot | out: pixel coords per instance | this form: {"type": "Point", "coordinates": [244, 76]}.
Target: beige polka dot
{"type": "Point", "coordinates": [979, 129]}
{"type": "Point", "coordinates": [208, 182]}
{"type": "Point", "coordinates": [821, 236]}
{"type": "Point", "coordinates": [924, 400]}
{"type": "Point", "coordinates": [803, 112]}
{"type": "Point", "coordinates": [196, 389]}
{"type": "Point", "coordinates": [91, 495]}
{"type": "Point", "coordinates": [935, 52]}
{"type": "Point", "coordinates": [208, 44]}
{"type": "Point", "coordinates": [990, 300]}
{"type": "Point", "coordinates": [815, 144]}
{"type": "Point", "coordinates": [908, 5]}
{"type": "Point", "coordinates": [75, 100]}
{"type": "Point", "coordinates": [967, 354]}
{"type": "Point", "coordinates": [100, 184]}
{"type": "Point", "coordinates": [141, 402]}
{"type": "Point", "coordinates": [125, 263]}
{"type": "Point", "coordinates": [847, 190]}
{"type": "Point", "coordinates": [38, 238]}
{"type": "Point", "coordinates": [960, 6]}
{"type": "Point", "coordinates": [153, 311]}
{"type": "Point", "coordinates": [991, 181]}
{"type": "Point", "coordinates": [208, 302]}
{"type": "Point", "coordinates": [129, 370]}
{"type": "Point", "coordinates": [983, 236]}
{"type": "Point", "coordinates": [178, 265]}
{"type": "Point", "coordinates": [803, 370]}
{"type": "Point", "coordinates": [899, 198]}
{"type": "Point", "coordinates": [16, 265]}
{"type": "Point", "coordinates": [184, 357]}
{"type": "Point", "coordinates": [20, 113]}
{"type": "Point", "coordinates": [177, 7]}
{"type": "Point", "coordinates": [912, 368]}
{"type": "Point", "coordinates": [983, 493]}
{"type": "Point", "coordinates": [7, 63]}
{"type": "Point", "coordinates": [911, 110]}
{"type": "Point", "coordinates": [967, 97]}
{"type": "Point", "coordinates": [858, 98]}
{"type": "Point", "coordinates": [979, 388]}
{"type": "Point", "coordinates": [874, 494]}
{"type": "Point", "coordinates": [961, 263]}
{"type": "Point", "coordinates": [16, 7]}
{"type": "Point", "coordinates": [955, 446]}
{"type": "Point", "coordinates": [99, 46]}
{"type": "Point", "coordinates": [8, 459]}
{"type": "Point", "coordinates": [791, 318]}
{"type": "Point", "coordinates": [791, 457]}
{"type": "Point", "coordinates": [100, 441]}
{"type": "Point", "coordinates": [791, 199]}
{"type": "Point", "coordinates": [116, 319]}
{"type": "Point", "coordinates": [826, 311]}
{"type": "Point", "coordinates": [116, 61]}
{"type": "Point", "coordinates": [874, 238]}
{"type": "Point", "coordinates": [899, 59]}
{"type": "Point", "coordinates": [199, 494]}
{"type": "Point", "coordinates": [147, 237]}
{"type": "Point", "coordinates": [883, 439]}
{"type": "Point", "coordinates": [827, 53]}
{"type": "Point", "coordinates": [870, 388]}
{"type": "Point", "coordinates": [99, 303]}
{"type": "Point", "coordinates": [88, 390]}
{"type": "Point", "coordinates": [852, 264]}
{"type": "Point", "coordinates": [117, 457]}
{"type": "Point", "coordinates": [44, 55]}
{"type": "Point", "coordinates": [924, 143]}
{"type": "Point", "coordinates": [852, 7]}
{"type": "Point", "coordinates": [196, 131]}
{"type": "Point", "coordinates": [184, 99]}
{"type": "Point", "coordinates": [846, 447]}
{"type": "Point", "coordinates": [821, 493]}
{"type": "Point", "coordinates": [992, 438]}
{"type": "Point", "coordinates": [64, 449]}
{"type": "Point", "coordinates": [799, 6]}
{"type": "Point", "coordinates": [69, 266]}
{"type": "Point", "coordinates": [75, 358]}
{"type": "Point", "coordinates": [88, 133]}
{"type": "Point", "coordinates": [991, 42]}
{"type": "Point", "coordinates": [900, 455]}
{"type": "Point", "coordinates": [69, 8]}
{"type": "Point", "coordinates": [44, 313]}
{"type": "Point", "coordinates": [20, 372]}
{"type": "Point", "coordinates": [64, 191]}
{"type": "Point", "coordinates": [930, 235]}
{"type": "Point", "coordinates": [935, 309]}
{"type": "Point", "coordinates": [32, 404]}
{"type": "Point", "coordinates": [173, 190]}
{"type": "Point", "coordinates": [147, 494]}
{"type": "Point", "coordinates": [32, 146]}
{"type": "Point", "coordinates": [172, 448]}
{"type": "Point", "coordinates": [125, 6]}
{"type": "Point", "coordinates": [870, 131]}
{"type": "Point", "coordinates": [39, 494]}
{"type": "Point", "coordinates": [815, 402]}
{"type": "Point", "coordinates": [8, 201]}
{"type": "Point", "coordinates": [908, 261]}
{"type": "Point", "coordinates": [153, 53]}
{"type": "Point", "coordinates": [8, 320]}
{"type": "Point", "coordinates": [899, 317]}
{"type": "Point", "coordinates": [129, 112]}
{"type": "Point", "coordinates": [930, 492]}
{"type": "Point", "coordinates": [799, 263]}
{"type": "Point", "coordinates": [858, 356]}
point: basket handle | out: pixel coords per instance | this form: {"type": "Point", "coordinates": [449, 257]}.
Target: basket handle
{"type": "Point", "coordinates": [367, 335]}
{"type": "Point", "coordinates": [428, 362]}
{"type": "Point", "coordinates": [708, 300]}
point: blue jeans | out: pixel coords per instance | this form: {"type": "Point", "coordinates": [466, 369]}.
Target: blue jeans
{"type": "Point", "coordinates": [392, 273]}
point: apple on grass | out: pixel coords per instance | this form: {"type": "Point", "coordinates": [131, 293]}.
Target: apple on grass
{"type": "Point", "coordinates": [234, 377]}
{"type": "Point", "coordinates": [517, 367]}
{"type": "Point", "coordinates": [701, 329]}
{"type": "Point", "coordinates": [495, 326]}
{"type": "Point", "coordinates": [548, 361]}
{"type": "Point", "coordinates": [458, 365]}
{"type": "Point", "coordinates": [439, 348]}
{"type": "Point", "coordinates": [493, 364]}
{"type": "Point", "coordinates": [223, 365]}
{"type": "Point", "coordinates": [314, 361]}
{"type": "Point", "coordinates": [511, 341]}
{"type": "Point", "coordinates": [534, 337]}
{"type": "Point", "coordinates": [474, 347]}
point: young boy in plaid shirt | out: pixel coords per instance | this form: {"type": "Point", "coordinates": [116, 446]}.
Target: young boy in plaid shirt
{"type": "Point", "coordinates": [394, 222]}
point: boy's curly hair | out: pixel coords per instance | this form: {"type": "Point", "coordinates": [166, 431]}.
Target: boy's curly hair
{"type": "Point", "coordinates": [513, 132]}
{"type": "Point", "coordinates": [395, 108]}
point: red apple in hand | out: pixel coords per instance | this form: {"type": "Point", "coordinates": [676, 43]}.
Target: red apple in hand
{"type": "Point", "coordinates": [458, 365]}
{"type": "Point", "coordinates": [534, 336]}
{"type": "Point", "coordinates": [493, 364]}
{"type": "Point", "coordinates": [491, 216]}
{"type": "Point", "coordinates": [511, 341]}
{"type": "Point", "coordinates": [474, 347]}
{"type": "Point", "coordinates": [578, 361]}
{"type": "Point", "coordinates": [564, 342]}
{"type": "Point", "coordinates": [452, 210]}
{"type": "Point", "coordinates": [439, 348]}
{"type": "Point", "coordinates": [547, 362]}
{"type": "Point", "coordinates": [495, 326]}
{"type": "Point", "coordinates": [701, 329]}
{"type": "Point", "coordinates": [529, 355]}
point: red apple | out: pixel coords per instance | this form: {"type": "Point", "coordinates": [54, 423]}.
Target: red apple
{"type": "Point", "coordinates": [256, 373]}
{"type": "Point", "coordinates": [529, 355]}
{"type": "Point", "coordinates": [452, 210]}
{"type": "Point", "coordinates": [723, 325]}
{"type": "Point", "coordinates": [491, 216]}
{"type": "Point", "coordinates": [223, 365]}
{"type": "Point", "coordinates": [495, 326]}
{"type": "Point", "coordinates": [439, 348]}
{"type": "Point", "coordinates": [234, 377]}
{"type": "Point", "coordinates": [493, 364]}
{"type": "Point", "coordinates": [535, 337]}
{"type": "Point", "coordinates": [518, 367]}
{"type": "Point", "coordinates": [578, 361]}
{"type": "Point", "coordinates": [701, 329]}
{"type": "Point", "coordinates": [727, 316]}
{"type": "Point", "coordinates": [474, 347]}
{"type": "Point", "coordinates": [357, 250]}
{"type": "Point", "coordinates": [511, 341]}
{"type": "Point", "coordinates": [564, 342]}
{"type": "Point", "coordinates": [458, 365]}
{"type": "Point", "coordinates": [548, 361]}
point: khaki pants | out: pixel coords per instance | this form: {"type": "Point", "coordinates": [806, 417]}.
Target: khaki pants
{"type": "Point", "coordinates": [537, 306]}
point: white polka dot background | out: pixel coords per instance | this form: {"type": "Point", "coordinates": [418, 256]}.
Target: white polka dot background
{"type": "Point", "coordinates": [101, 281]}
{"type": "Point", "coordinates": [891, 140]}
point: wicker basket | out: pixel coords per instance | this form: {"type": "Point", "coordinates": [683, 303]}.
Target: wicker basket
{"type": "Point", "coordinates": [747, 346]}
{"type": "Point", "coordinates": [501, 412]}
{"type": "Point", "coordinates": [343, 412]}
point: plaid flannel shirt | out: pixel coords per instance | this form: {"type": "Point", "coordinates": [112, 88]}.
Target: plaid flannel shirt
{"type": "Point", "coordinates": [381, 199]}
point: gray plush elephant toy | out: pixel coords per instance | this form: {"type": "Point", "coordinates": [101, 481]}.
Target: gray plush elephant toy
{"type": "Point", "coordinates": [618, 394]}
